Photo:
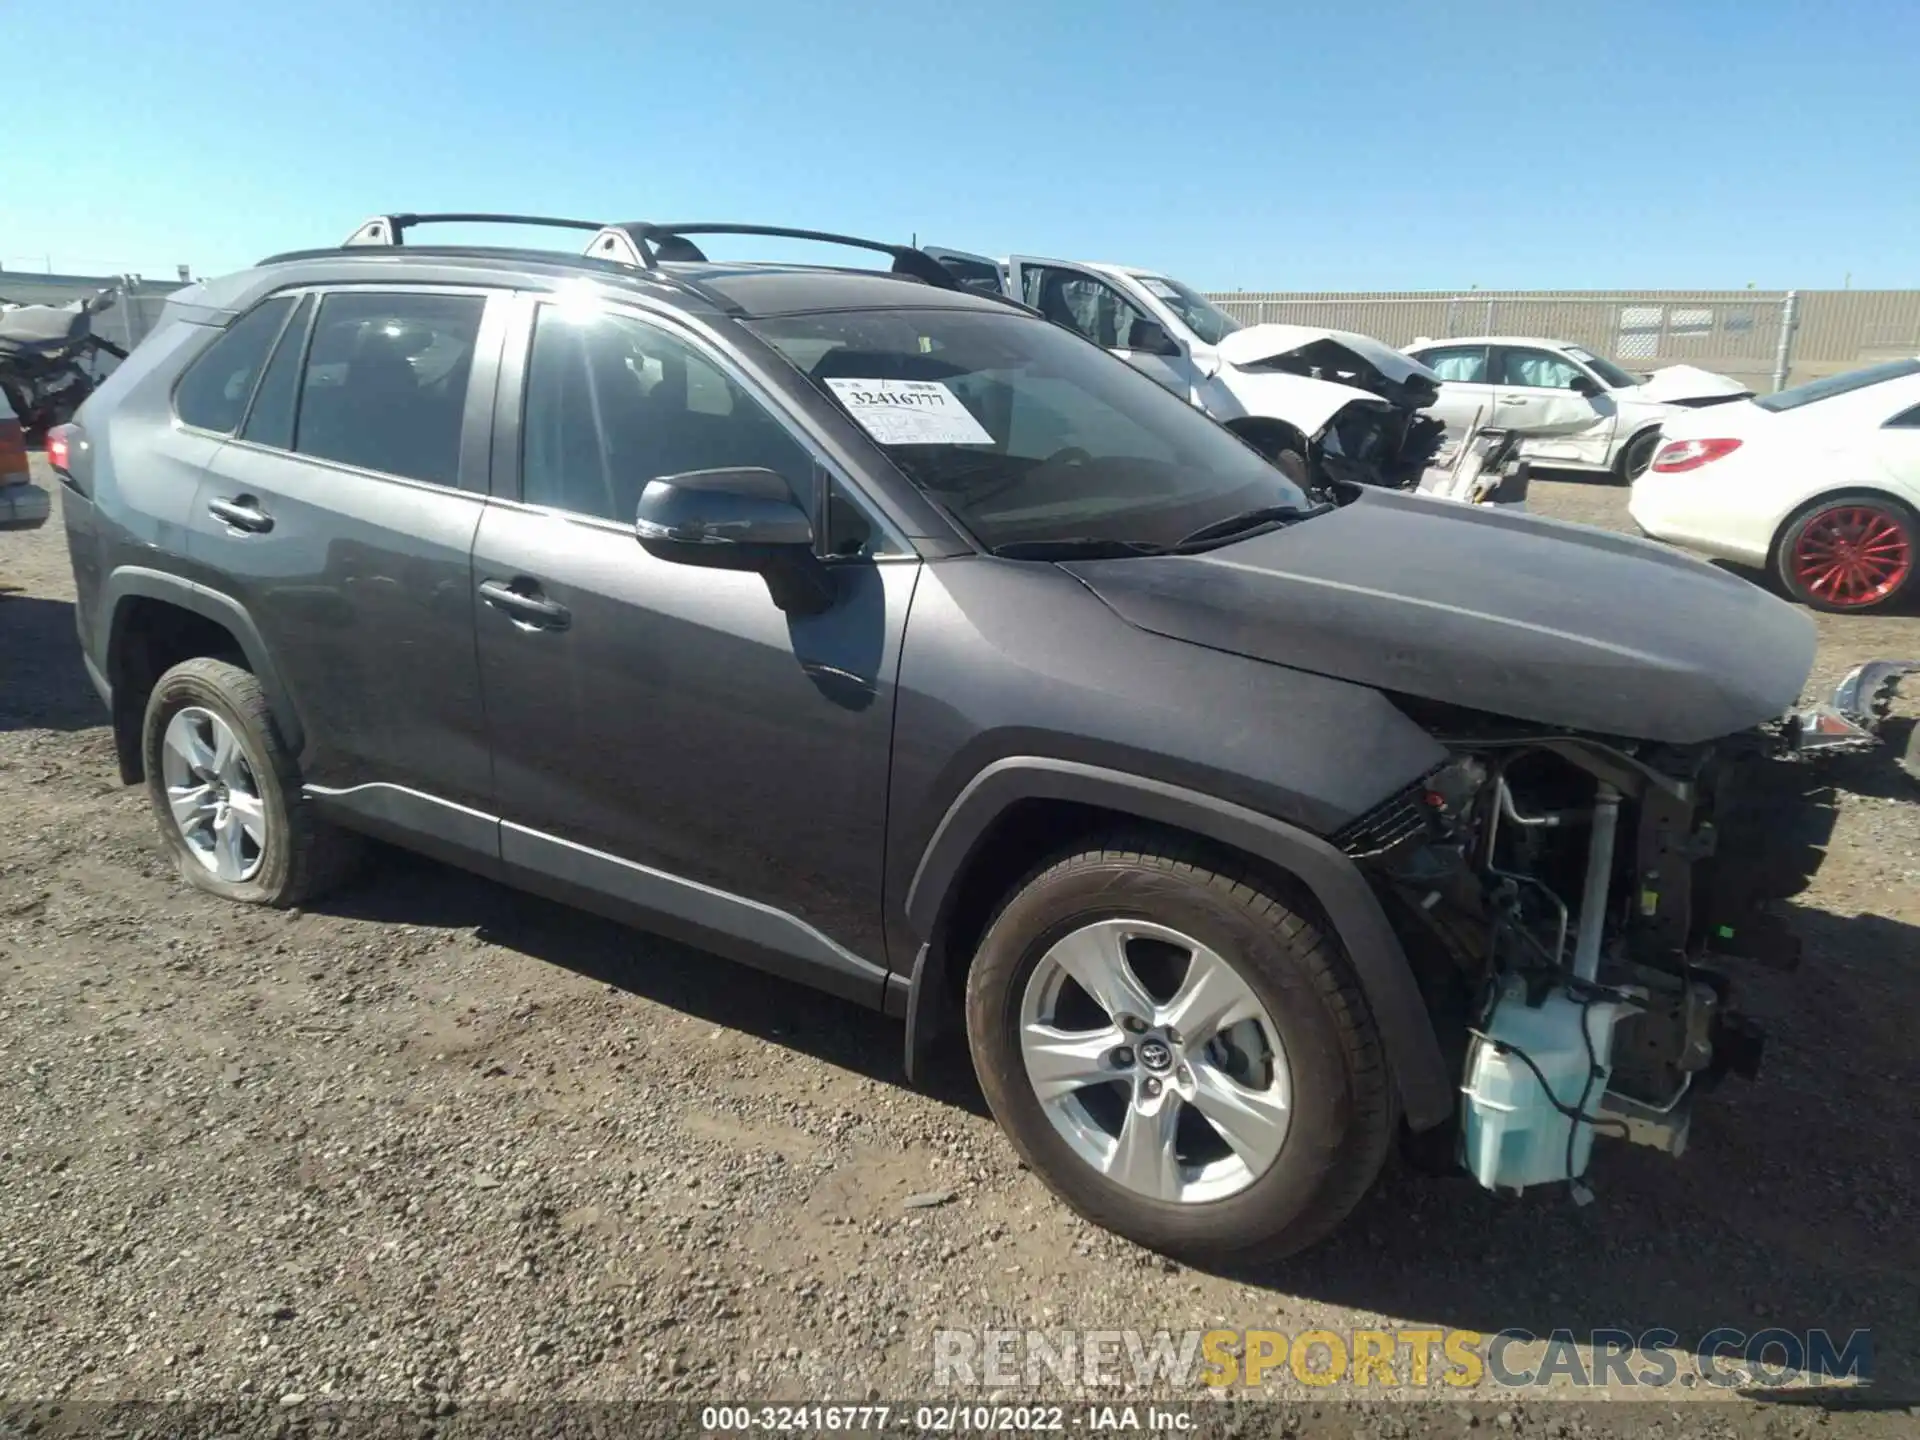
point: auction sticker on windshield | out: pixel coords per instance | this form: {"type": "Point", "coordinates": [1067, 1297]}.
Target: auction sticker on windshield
{"type": "Point", "coordinates": [910, 412]}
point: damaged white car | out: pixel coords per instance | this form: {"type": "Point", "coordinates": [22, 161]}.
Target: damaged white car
{"type": "Point", "coordinates": [1324, 405]}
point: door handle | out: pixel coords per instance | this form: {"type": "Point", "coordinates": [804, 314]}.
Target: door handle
{"type": "Point", "coordinates": [526, 607]}
{"type": "Point", "coordinates": [1516, 399]}
{"type": "Point", "coordinates": [242, 512]}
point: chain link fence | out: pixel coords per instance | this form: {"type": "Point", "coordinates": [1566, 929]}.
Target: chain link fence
{"type": "Point", "coordinates": [1743, 333]}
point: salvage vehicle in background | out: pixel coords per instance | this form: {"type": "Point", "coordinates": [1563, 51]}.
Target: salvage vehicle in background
{"type": "Point", "coordinates": [875, 632]}
{"type": "Point", "coordinates": [46, 358]}
{"type": "Point", "coordinates": [1323, 405]}
{"type": "Point", "coordinates": [1819, 484]}
{"type": "Point", "coordinates": [1582, 411]}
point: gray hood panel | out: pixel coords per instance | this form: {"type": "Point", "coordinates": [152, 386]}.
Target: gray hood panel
{"type": "Point", "coordinates": [1558, 624]}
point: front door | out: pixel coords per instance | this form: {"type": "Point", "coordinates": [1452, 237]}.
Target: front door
{"type": "Point", "coordinates": [341, 517]}
{"type": "Point", "coordinates": [1466, 400]}
{"type": "Point", "coordinates": [668, 744]}
{"type": "Point", "coordinates": [1094, 306]}
{"type": "Point", "coordinates": [1533, 391]}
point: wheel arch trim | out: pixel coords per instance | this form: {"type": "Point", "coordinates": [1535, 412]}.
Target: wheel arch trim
{"type": "Point", "coordinates": [130, 582]}
{"type": "Point", "coordinates": [1406, 1029]}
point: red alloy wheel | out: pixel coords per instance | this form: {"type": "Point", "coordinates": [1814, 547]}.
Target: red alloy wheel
{"type": "Point", "coordinates": [1852, 555]}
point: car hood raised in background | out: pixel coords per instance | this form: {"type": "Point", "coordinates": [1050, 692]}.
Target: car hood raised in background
{"type": "Point", "coordinates": [1677, 384]}
{"type": "Point", "coordinates": [1269, 342]}
{"type": "Point", "coordinates": [1534, 619]}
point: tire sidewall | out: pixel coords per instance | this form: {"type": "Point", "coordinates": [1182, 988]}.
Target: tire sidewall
{"type": "Point", "coordinates": [1783, 566]}
{"type": "Point", "coordinates": [209, 686]}
{"type": "Point", "coordinates": [1321, 1086]}
{"type": "Point", "coordinates": [1647, 440]}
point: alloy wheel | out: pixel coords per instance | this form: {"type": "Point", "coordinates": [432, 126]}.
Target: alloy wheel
{"type": "Point", "coordinates": [1155, 1061]}
{"type": "Point", "coordinates": [1852, 555]}
{"type": "Point", "coordinates": [213, 795]}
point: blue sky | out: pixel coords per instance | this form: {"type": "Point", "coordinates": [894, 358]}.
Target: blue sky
{"type": "Point", "coordinates": [1260, 146]}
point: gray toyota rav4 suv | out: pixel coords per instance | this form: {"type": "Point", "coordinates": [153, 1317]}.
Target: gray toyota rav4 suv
{"type": "Point", "coordinates": [880, 634]}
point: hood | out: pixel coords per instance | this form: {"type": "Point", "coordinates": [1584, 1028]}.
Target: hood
{"type": "Point", "coordinates": [1335, 355]}
{"type": "Point", "coordinates": [1537, 620]}
{"type": "Point", "coordinates": [1678, 384]}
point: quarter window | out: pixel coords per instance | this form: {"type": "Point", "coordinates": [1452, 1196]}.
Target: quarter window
{"type": "Point", "coordinates": [386, 382]}
{"type": "Point", "coordinates": [213, 394]}
{"type": "Point", "coordinates": [1462, 364]}
{"type": "Point", "coordinates": [612, 402]}
{"type": "Point", "coordinates": [1908, 419]}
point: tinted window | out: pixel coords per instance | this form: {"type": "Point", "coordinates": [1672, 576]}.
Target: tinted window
{"type": "Point", "coordinates": [270, 420]}
{"type": "Point", "coordinates": [386, 382]}
{"type": "Point", "coordinates": [1047, 441]}
{"type": "Point", "coordinates": [1906, 420]}
{"type": "Point", "coordinates": [1080, 302]}
{"type": "Point", "coordinates": [1459, 363]}
{"type": "Point", "coordinates": [612, 402]}
{"type": "Point", "coordinates": [213, 394]}
{"type": "Point", "coordinates": [1537, 369]}
{"type": "Point", "coordinates": [1832, 385]}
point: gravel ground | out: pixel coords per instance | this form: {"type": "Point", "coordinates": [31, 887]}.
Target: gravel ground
{"type": "Point", "coordinates": [435, 1141]}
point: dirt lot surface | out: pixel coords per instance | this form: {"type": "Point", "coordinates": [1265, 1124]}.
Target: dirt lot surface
{"type": "Point", "coordinates": [437, 1142]}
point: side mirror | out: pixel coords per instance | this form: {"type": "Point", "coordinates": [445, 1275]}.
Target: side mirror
{"type": "Point", "coordinates": [742, 519]}
{"type": "Point", "coordinates": [1584, 385]}
{"type": "Point", "coordinates": [1149, 337]}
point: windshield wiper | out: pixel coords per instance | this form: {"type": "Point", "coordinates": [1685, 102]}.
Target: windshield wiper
{"type": "Point", "coordinates": [1075, 547]}
{"type": "Point", "coordinates": [1246, 522]}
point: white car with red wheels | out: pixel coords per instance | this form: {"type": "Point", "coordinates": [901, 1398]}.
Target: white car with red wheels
{"type": "Point", "coordinates": [1819, 484]}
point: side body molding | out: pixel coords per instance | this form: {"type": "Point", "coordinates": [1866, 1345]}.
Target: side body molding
{"type": "Point", "coordinates": [1427, 1091]}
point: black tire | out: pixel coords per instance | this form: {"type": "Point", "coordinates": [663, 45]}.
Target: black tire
{"type": "Point", "coordinates": [1635, 456]}
{"type": "Point", "coordinates": [1343, 1109]}
{"type": "Point", "coordinates": [303, 855]}
{"type": "Point", "coordinates": [1897, 532]}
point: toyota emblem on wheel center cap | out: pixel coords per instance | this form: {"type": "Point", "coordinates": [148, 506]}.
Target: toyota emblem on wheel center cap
{"type": "Point", "coordinates": [1155, 1054]}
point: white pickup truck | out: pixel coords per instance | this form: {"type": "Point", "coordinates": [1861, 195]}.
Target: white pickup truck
{"type": "Point", "coordinates": [1322, 404]}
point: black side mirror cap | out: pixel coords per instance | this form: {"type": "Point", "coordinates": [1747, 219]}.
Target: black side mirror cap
{"type": "Point", "coordinates": [1585, 385]}
{"type": "Point", "coordinates": [736, 519]}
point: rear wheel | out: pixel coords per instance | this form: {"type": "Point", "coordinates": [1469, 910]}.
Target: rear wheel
{"type": "Point", "coordinates": [1848, 553]}
{"type": "Point", "coordinates": [1179, 1056]}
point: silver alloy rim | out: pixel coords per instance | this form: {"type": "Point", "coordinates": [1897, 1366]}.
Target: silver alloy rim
{"type": "Point", "coordinates": [1184, 1099]}
{"type": "Point", "coordinates": [212, 794]}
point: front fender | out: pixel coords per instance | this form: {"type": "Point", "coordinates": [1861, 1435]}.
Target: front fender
{"type": "Point", "coordinates": [1406, 1029]}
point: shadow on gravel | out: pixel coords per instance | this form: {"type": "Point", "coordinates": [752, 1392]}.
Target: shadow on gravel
{"type": "Point", "coordinates": [43, 685]}
{"type": "Point", "coordinates": [407, 889]}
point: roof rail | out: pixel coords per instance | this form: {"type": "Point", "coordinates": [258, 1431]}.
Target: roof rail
{"type": "Point", "coordinates": [392, 229]}
{"type": "Point", "coordinates": [645, 244]}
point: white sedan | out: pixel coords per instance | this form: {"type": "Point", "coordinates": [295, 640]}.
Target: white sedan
{"type": "Point", "coordinates": [1820, 484]}
{"type": "Point", "coordinates": [1582, 411]}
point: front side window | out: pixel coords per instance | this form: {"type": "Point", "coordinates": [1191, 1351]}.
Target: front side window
{"type": "Point", "coordinates": [1026, 436]}
{"type": "Point", "coordinates": [213, 394]}
{"type": "Point", "coordinates": [1199, 314]}
{"type": "Point", "coordinates": [1462, 364]}
{"type": "Point", "coordinates": [612, 402]}
{"type": "Point", "coordinates": [1080, 302]}
{"type": "Point", "coordinates": [386, 382]}
{"type": "Point", "coordinates": [1537, 369]}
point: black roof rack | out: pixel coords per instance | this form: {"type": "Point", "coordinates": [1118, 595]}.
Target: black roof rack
{"type": "Point", "coordinates": [645, 244]}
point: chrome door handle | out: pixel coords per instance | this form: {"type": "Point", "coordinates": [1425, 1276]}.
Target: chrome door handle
{"type": "Point", "coordinates": [528, 608]}
{"type": "Point", "coordinates": [242, 512]}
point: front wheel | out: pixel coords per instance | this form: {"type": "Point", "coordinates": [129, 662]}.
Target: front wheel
{"type": "Point", "coordinates": [1848, 553]}
{"type": "Point", "coordinates": [1178, 1055]}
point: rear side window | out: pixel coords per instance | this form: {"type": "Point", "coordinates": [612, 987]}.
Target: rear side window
{"type": "Point", "coordinates": [386, 382]}
{"type": "Point", "coordinates": [270, 420]}
{"type": "Point", "coordinates": [1462, 364]}
{"type": "Point", "coordinates": [213, 394]}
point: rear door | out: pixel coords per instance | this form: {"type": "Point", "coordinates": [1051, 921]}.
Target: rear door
{"type": "Point", "coordinates": [668, 744]}
{"type": "Point", "coordinates": [1533, 391]}
{"type": "Point", "coordinates": [1092, 304]}
{"type": "Point", "coordinates": [341, 515]}
{"type": "Point", "coordinates": [1466, 385]}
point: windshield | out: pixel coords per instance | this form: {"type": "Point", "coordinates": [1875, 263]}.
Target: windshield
{"type": "Point", "coordinates": [1832, 385]}
{"type": "Point", "coordinates": [1199, 314]}
{"type": "Point", "coordinates": [1611, 375]}
{"type": "Point", "coordinates": [1025, 433]}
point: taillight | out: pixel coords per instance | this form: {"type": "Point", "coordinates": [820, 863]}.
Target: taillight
{"type": "Point", "coordinates": [59, 447]}
{"type": "Point", "coordinates": [1678, 455]}
{"type": "Point", "coordinates": [13, 454]}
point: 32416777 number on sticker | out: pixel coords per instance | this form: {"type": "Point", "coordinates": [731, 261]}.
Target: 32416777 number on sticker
{"type": "Point", "coordinates": [909, 412]}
